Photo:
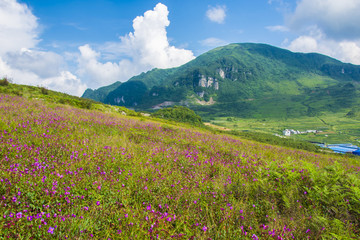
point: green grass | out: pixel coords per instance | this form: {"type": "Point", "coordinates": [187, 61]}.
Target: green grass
{"type": "Point", "coordinates": [336, 127]}
{"type": "Point", "coordinates": [68, 172]}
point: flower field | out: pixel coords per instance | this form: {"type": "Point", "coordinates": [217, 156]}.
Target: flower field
{"type": "Point", "coordinates": [70, 173]}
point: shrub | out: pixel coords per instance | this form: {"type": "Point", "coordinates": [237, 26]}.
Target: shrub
{"type": "Point", "coordinates": [4, 82]}
{"type": "Point", "coordinates": [179, 114]}
{"type": "Point", "coordinates": [44, 90]}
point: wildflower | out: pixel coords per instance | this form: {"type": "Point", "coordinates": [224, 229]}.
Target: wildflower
{"type": "Point", "coordinates": [126, 215]}
{"type": "Point", "coordinates": [51, 230]}
{"type": "Point", "coordinates": [204, 228]}
{"type": "Point", "coordinates": [19, 215]}
{"type": "Point", "coordinates": [29, 218]}
{"type": "Point", "coordinates": [98, 203]}
{"type": "Point", "coordinates": [254, 237]}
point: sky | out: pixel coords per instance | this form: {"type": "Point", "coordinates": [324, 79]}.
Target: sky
{"type": "Point", "coordinates": [72, 45]}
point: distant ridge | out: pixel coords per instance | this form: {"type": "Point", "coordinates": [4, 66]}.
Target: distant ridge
{"type": "Point", "coordinates": [245, 80]}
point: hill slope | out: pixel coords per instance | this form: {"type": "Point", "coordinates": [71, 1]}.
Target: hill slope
{"type": "Point", "coordinates": [247, 80]}
{"type": "Point", "coordinates": [71, 173]}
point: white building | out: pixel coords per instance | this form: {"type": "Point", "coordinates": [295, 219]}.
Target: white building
{"type": "Point", "coordinates": [287, 132]}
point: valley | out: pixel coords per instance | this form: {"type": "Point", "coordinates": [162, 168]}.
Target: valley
{"type": "Point", "coordinates": [334, 127]}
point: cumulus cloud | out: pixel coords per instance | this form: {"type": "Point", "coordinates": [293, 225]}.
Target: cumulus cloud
{"type": "Point", "coordinates": [43, 64]}
{"type": "Point", "coordinates": [18, 27]}
{"type": "Point", "coordinates": [145, 48]}
{"type": "Point", "coordinates": [100, 74]}
{"type": "Point", "coordinates": [63, 81]}
{"type": "Point", "coordinates": [19, 59]}
{"type": "Point", "coordinates": [346, 51]}
{"type": "Point", "coordinates": [338, 20]}
{"type": "Point", "coordinates": [216, 14]}
{"type": "Point", "coordinates": [327, 26]}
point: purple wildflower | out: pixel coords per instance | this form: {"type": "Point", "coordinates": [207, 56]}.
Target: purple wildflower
{"type": "Point", "coordinates": [51, 230]}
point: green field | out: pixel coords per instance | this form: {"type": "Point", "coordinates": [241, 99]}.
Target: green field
{"type": "Point", "coordinates": [335, 127]}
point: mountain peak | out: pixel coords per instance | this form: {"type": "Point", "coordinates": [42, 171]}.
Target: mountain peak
{"type": "Point", "coordinates": [242, 78]}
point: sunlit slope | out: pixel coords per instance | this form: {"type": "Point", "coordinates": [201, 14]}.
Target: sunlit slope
{"type": "Point", "coordinates": [75, 173]}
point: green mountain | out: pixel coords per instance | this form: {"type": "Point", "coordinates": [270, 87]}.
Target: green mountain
{"type": "Point", "coordinates": [100, 93]}
{"type": "Point", "coordinates": [246, 80]}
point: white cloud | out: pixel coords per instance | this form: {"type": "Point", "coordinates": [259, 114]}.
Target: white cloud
{"type": "Point", "coordinates": [346, 51]}
{"type": "Point", "coordinates": [338, 20]}
{"type": "Point", "coordinates": [213, 42]}
{"type": "Point", "coordinates": [18, 27]}
{"type": "Point", "coordinates": [304, 44]}
{"type": "Point", "coordinates": [43, 64]}
{"type": "Point", "coordinates": [19, 59]}
{"type": "Point", "coordinates": [216, 14]}
{"type": "Point", "coordinates": [329, 27]}
{"type": "Point", "coordinates": [63, 81]}
{"type": "Point", "coordinates": [100, 74]}
{"type": "Point", "coordinates": [146, 48]}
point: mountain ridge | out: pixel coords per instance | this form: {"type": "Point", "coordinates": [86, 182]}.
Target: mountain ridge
{"type": "Point", "coordinates": [241, 77]}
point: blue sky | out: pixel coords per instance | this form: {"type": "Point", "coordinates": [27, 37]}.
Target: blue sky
{"type": "Point", "coordinates": [71, 45]}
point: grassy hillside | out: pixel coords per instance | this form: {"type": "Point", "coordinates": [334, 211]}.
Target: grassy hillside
{"type": "Point", "coordinates": [42, 93]}
{"type": "Point", "coordinates": [73, 173]}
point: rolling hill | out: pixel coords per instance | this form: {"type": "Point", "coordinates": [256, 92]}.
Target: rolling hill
{"type": "Point", "coordinates": [245, 80]}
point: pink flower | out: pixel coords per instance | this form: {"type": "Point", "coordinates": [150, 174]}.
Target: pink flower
{"type": "Point", "coordinates": [51, 230]}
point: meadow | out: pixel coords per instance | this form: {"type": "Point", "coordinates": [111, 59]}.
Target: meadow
{"type": "Point", "coordinates": [72, 173]}
{"type": "Point", "coordinates": [334, 127]}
